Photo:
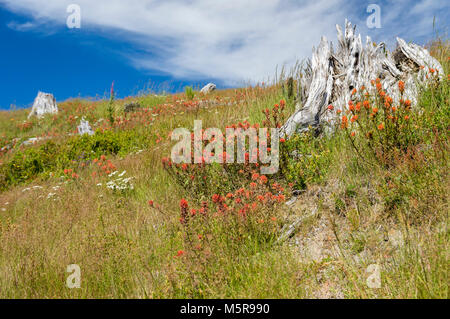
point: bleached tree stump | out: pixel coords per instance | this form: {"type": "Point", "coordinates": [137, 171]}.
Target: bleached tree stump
{"type": "Point", "coordinates": [208, 88]}
{"type": "Point", "coordinates": [43, 103]}
{"type": "Point", "coordinates": [84, 128]}
{"type": "Point", "coordinates": [330, 77]}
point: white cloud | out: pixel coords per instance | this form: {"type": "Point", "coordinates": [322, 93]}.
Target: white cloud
{"type": "Point", "coordinates": [229, 40]}
{"type": "Point", "coordinates": [21, 26]}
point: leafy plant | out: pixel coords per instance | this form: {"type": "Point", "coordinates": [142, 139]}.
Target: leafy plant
{"type": "Point", "coordinates": [189, 91]}
{"type": "Point", "coordinates": [110, 108]}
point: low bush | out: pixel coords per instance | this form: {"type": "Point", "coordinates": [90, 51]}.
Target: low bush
{"type": "Point", "coordinates": [76, 153]}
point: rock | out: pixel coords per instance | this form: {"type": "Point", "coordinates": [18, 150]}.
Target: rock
{"type": "Point", "coordinates": [330, 76]}
{"type": "Point", "coordinates": [208, 88]}
{"type": "Point", "coordinates": [84, 128]}
{"type": "Point", "coordinates": [9, 146]}
{"type": "Point", "coordinates": [289, 230]}
{"type": "Point", "coordinates": [33, 140]}
{"type": "Point", "coordinates": [44, 103]}
{"type": "Point", "coordinates": [395, 238]}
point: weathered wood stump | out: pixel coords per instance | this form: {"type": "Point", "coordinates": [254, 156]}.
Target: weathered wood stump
{"type": "Point", "coordinates": [208, 88]}
{"type": "Point", "coordinates": [44, 103]}
{"type": "Point", "coordinates": [330, 77]}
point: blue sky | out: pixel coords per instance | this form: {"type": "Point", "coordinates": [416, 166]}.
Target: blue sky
{"type": "Point", "coordinates": [172, 43]}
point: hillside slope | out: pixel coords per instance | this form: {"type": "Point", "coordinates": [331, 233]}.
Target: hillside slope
{"type": "Point", "coordinates": [139, 226]}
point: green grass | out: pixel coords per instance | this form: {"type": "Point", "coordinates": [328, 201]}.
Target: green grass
{"type": "Point", "coordinates": [365, 212]}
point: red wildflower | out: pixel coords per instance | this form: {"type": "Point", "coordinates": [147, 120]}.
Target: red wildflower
{"type": "Point", "coordinates": [366, 104]}
{"type": "Point", "coordinates": [184, 204]}
{"type": "Point", "coordinates": [344, 123]}
{"type": "Point", "coordinates": [216, 198]}
{"type": "Point", "coordinates": [263, 179]}
{"type": "Point", "coordinates": [401, 86]}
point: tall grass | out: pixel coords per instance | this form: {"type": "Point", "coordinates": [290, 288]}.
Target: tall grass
{"type": "Point", "coordinates": [365, 213]}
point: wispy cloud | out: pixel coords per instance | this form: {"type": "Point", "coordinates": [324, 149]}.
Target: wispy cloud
{"type": "Point", "coordinates": [21, 26]}
{"type": "Point", "coordinates": [228, 40]}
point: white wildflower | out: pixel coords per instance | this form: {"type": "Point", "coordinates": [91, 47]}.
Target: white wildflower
{"type": "Point", "coordinates": [112, 174]}
{"type": "Point", "coordinates": [50, 195]}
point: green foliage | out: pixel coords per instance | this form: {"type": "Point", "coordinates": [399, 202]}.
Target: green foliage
{"type": "Point", "coordinates": [379, 127]}
{"type": "Point", "coordinates": [305, 159]}
{"type": "Point", "coordinates": [28, 164]}
{"type": "Point", "coordinates": [51, 157]}
{"type": "Point", "coordinates": [190, 93]}
{"type": "Point", "coordinates": [110, 110]}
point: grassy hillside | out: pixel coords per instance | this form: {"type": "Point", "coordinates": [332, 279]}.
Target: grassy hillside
{"type": "Point", "coordinates": [374, 195]}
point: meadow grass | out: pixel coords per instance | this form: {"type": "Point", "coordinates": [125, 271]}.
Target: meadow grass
{"type": "Point", "coordinates": [365, 212]}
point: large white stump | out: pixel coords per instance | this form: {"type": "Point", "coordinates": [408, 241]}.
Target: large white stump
{"type": "Point", "coordinates": [331, 76]}
{"type": "Point", "coordinates": [44, 103]}
{"type": "Point", "coordinates": [208, 88]}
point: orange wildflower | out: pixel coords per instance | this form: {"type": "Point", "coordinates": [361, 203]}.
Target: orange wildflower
{"type": "Point", "coordinates": [344, 123]}
{"type": "Point", "coordinates": [401, 86]}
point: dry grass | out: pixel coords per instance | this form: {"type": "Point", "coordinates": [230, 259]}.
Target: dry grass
{"type": "Point", "coordinates": [127, 249]}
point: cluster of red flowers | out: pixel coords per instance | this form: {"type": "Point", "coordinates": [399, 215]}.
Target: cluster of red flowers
{"type": "Point", "coordinates": [197, 171]}
{"type": "Point", "coordinates": [390, 110]}
{"type": "Point", "coordinates": [70, 173]}
{"type": "Point", "coordinates": [103, 165]}
{"type": "Point", "coordinates": [25, 126]}
{"type": "Point", "coordinates": [173, 105]}
{"type": "Point", "coordinates": [384, 124]}
{"type": "Point", "coordinates": [275, 118]}
{"type": "Point", "coordinates": [259, 197]}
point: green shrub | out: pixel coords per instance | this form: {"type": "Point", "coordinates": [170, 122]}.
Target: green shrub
{"type": "Point", "coordinates": [29, 163]}
{"type": "Point", "coordinates": [76, 151]}
{"type": "Point", "coordinates": [305, 159]}
{"type": "Point", "coordinates": [189, 91]}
